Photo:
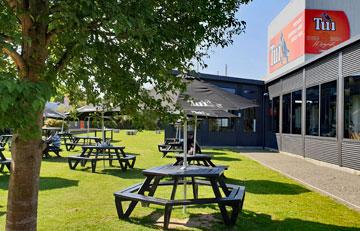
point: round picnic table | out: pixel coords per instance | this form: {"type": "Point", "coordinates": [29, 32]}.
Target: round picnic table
{"type": "Point", "coordinates": [233, 194]}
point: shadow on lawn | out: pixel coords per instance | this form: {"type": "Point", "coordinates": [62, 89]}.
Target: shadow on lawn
{"type": "Point", "coordinates": [132, 173]}
{"type": "Point", "coordinates": [46, 183]}
{"type": "Point", "coordinates": [269, 187]}
{"type": "Point", "coordinates": [247, 220]}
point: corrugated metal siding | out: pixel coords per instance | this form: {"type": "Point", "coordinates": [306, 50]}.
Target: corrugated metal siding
{"type": "Point", "coordinates": [275, 89]}
{"type": "Point", "coordinates": [278, 141]}
{"type": "Point", "coordinates": [321, 149]}
{"type": "Point", "coordinates": [351, 155]}
{"type": "Point", "coordinates": [293, 82]}
{"type": "Point", "coordinates": [351, 58]}
{"type": "Point", "coordinates": [323, 71]}
{"type": "Point", "coordinates": [292, 144]}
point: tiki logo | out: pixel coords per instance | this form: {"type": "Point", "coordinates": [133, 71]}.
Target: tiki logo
{"type": "Point", "coordinates": [324, 23]}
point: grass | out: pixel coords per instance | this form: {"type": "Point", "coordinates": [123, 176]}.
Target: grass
{"type": "Point", "coordinates": [81, 200]}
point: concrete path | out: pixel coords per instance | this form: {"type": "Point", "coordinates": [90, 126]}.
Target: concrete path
{"type": "Point", "coordinates": [342, 186]}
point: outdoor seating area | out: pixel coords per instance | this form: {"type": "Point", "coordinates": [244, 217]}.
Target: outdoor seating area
{"type": "Point", "coordinates": [250, 195]}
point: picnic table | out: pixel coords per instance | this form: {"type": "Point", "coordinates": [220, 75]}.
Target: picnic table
{"type": "Point", "coordinates": [198, 159]}
{"type": "Point", "coordinates": [170, 146]}
{"type": "Point", "coordinates": [233, 194]}
{"type": "Point", "coordinates": [5, 139]}
{"type": "Point", "coordinates": [4, 161]}
{"type": "Point", "coordinates": [105, 131]}
{"type": "Point", "coordinates": [85, 140]}
{"type": "Point", "coordinates": [94, 154]}
{"type": "Point", "coordinates": [66, 136]}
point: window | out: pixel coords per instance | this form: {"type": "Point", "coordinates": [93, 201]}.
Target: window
{"type": "Point", "coordinates": [223, 124]}
{"type": "Point", "coordinates": [312, 111]}
{"type": "Point", "coordinates": [276, 114]}
{"type": "Point", "coordinates": [352, 108]}
{"type": "Point", "coordinates": [328, 109]}
{"type": "Point", "coordinates": [230, 90]}
{"type": "Point", "coordinates": [296, 102]}
{"type": "Point", "coordinates": [286, 107]}
{"type": "Point", "coordinates": [249, 120]}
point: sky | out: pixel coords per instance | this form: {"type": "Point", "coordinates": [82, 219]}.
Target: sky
{"type": "Point", "coordinates": [247, 56]}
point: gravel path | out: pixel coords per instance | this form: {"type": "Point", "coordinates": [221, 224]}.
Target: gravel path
{"type": "Point", "coordinates": [340, 185]}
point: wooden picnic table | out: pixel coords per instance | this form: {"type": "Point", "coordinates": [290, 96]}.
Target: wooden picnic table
{"type": "Point", "coordinates": [86, 140]}
{"type": "Point", "coordinates": [198, 159]}
{"type": "Point", "coordinates": [5, 139]}
{"type": "Point", "coordinates": [233, 194]}
{"type": "Point", "coordinates": [102, 153]}
{"type": "Point", "coordinates": [170, 146]}
{"type": "Point", "coordinates": [4, 161]}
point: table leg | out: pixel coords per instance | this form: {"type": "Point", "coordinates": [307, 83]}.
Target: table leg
{"type": "Point", "coordinates": [119, 159]}
{"type": "Point", "coordinates": [217, 193]}
{"type": "Point", "coordinates": [223, 186]}
{"type": "Point", "coordinates": [141, 191]}
{"type": "Point", "coordinates": [195, 188]}
{"type": "Point", "coordinates": [211, 163]}
{"type": "Point", "coordinates": [168, 208]}
{"type": "Point", "coordinates": [152, 190]}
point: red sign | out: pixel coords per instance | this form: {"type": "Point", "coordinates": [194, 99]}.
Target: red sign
{"type": "Point", "coordinates": [325, 29]}
{"type": "Point", "coordinates": [311, 32]}
{"type": "Point", "coordinates": [288, 45]}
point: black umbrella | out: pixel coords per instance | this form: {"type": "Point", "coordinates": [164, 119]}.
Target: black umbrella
{"type": "Point", "coordinates": [203, 96]}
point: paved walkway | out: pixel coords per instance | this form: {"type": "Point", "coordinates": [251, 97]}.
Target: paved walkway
{"type": "Point", "coordinates": [342, 186]}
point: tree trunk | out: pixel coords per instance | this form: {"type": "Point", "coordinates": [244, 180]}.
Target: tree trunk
{"type": "Point", "coordinates": [24, 183]}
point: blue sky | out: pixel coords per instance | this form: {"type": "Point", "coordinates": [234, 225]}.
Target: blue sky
{"type": "Point", "coordinates": [247, 56]}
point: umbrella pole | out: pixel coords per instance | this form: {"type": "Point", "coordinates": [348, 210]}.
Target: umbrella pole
{"type": "Point", "coordinates": [62, 126]}
{"type": "Point", "coordinates": [195, 131]}
{"type": "Point", "coordinates": [185, 161]}
{"type": "Point", "coordinates": [102, 127]}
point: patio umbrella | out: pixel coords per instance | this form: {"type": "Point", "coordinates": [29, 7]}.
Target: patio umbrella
{"type": "Point", "coordinates": [207, 100]}
{"type": "Point", "coordinates": [92, 109]}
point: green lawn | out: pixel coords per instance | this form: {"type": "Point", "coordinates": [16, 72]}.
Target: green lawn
{"type": "Point", "coordinates": [81, 200]}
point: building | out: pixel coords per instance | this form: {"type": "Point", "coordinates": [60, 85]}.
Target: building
{"type": "Point", "coordinates": [310, 99]}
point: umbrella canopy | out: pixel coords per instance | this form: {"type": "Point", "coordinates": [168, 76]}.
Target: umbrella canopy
{"type": "Point", "coordinates": [202, 96]}
{"type": "Point", "coordinates": [91, 108]}
{"type": "Point", "coordinates": [51, 113]}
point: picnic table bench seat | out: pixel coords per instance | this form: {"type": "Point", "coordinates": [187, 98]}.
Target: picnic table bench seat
{"type": "Point", "coordinates": [235, 200]}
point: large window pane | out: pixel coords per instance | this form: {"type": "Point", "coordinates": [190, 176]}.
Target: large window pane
{"type": "Point", "coordinates": [221, 125]}
{"type": "Point", "coordinates": [286, 107]}
{"type": "Point", "coordinates": [328, 109]}
{"type": "Point", "coordinates": [312, 111]}
{"type": "Point", "coordinates": [352, 108]}
{"type": "Point", "coordinates": [276, 114]}
{"type": "Point", "coordinates": [296, 112]}
{"type": "Point", "coordinates": [250, 120]}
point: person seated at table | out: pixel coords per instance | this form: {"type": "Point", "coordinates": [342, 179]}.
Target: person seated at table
{"type": "Point", "coordinates": [53, 143]}
{"type": "Point", "coordinates": [190, 146]}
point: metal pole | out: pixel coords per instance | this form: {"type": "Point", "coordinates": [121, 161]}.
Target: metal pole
{"type": "Point", "coordinates": [185, 145]}
{"type": "Point", "coordinates": [195, 131]}
{"type": "Point", "coordinates": [102, 127]}
{"type": "Point", "coordinates": [185, 161]}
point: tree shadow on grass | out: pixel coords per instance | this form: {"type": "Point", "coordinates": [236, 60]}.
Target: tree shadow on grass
{"type": "Point", "coordinates": [46, 183]}
{"type": "Point", "coordinates": [132, 173]}
{"type": "Point", "coordinates": [247, 220]}
{"type": "Point", "coordinates": [269, 187]}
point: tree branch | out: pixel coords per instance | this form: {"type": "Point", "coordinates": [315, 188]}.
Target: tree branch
{"type": "Point", "coordinates": [65, 58]}
{"type": "Point", "coordinates": [16, 57]}
{"type": "Point", "coordinates": [51, 34]}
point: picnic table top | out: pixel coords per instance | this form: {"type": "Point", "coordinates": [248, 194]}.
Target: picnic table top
{"type": "Point", "coordinates": [8, 135]}
{"type": "Point", "coordinates": [192, 156]}
{"type": "Point", "coordinates": [87, 137]}
{"type": "Point", "coordinates": [102, 147]}
{"type": "Point", "coordinates": [190, 171]}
